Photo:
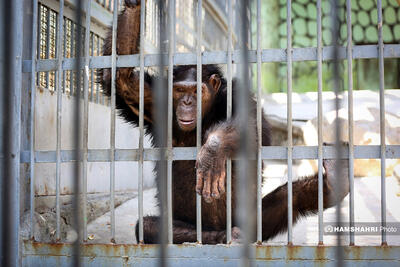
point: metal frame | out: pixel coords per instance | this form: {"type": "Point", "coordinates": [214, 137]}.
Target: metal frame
{"type": "Point", "coordinates": [31, 253]}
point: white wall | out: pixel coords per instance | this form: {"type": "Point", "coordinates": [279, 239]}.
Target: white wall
{"type": "Point", "coordinates": [127, 137]}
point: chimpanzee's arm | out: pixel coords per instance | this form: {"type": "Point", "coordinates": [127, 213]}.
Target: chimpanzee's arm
{"type": "Point", "coordinates": [305, 198]}
{"type": "Point", "coordinates": [127, 79]}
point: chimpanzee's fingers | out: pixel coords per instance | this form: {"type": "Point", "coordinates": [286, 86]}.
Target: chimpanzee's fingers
{"type": "Point", "coordinates": [222, 178]}
{"type": "Point", "coordinates": [199, 182]}
{"type": "Point", "coordinates": [215, 178]}
{"type": "Point", "coordinates": [207, 187]}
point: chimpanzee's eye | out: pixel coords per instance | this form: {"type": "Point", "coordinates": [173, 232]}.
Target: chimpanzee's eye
{"type": "Point", "coordinates": [180, 90]}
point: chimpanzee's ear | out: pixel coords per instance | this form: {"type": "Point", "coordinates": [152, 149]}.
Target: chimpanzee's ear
{"type": "Point", "coordinates": [215, 82]}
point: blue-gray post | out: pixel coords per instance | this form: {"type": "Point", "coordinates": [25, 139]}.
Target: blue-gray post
{"type": "Point", "coordinates": [10, 122]}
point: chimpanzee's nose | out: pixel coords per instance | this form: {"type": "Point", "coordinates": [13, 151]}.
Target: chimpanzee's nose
{"type": "Point", "coordinates": [187, 100]}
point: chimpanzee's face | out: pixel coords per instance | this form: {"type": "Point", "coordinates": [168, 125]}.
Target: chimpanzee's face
{"type": "Point", "coordinates": [185, 99]}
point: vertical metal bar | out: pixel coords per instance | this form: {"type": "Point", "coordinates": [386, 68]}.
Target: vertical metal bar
{"type": "Point", "coordinates": [320, 112]}
{"type": "Point", "coordinates": [259, 127]}
{"type": "Point", "coordinates": [229, 115]}
{"type": "Point", "coordinates": [161, 99]}
{"type": "Point", "coordinates": [338, 127]}
{"type": "Point", "coordinates": [141, 129]}
{"type": "Point", "coordinates": [382, 120]}
{"type": "Point", "coordinates": [171, 52]}
{"type": "Point", "coordinates": [199, 113]}
{"type": "Point", "coordinates": [72, 54]}
{"type": "Point", "coordinates": [91, 70]}
{"type": "Point", "coordinates": [86, 118]}
{"type": "Point", "coordinates": [39, 36]}
{"type": "Point", "coordinates": [65, 52]}
{"type": "Point", "coordinates": [48, 44]}
{"type": "Point", "coordinates": [59, 119]}
{"type": "Point", "coordinates": [289, 118]}
{"type": "Point", "coordinates": [112, 135]}
{"type": "Point", "coordinates": [245, 170]}
{"type": "Point", "coordinates": [350, 114]}
{"type": "Point", "coordinates": [97, 84]}
{"type": "Point", "coordinates": [12, 43]}
{"type": "Point", "coordinates": [32, 117]}
{"type": "Point", "coordinates": [77, 137]}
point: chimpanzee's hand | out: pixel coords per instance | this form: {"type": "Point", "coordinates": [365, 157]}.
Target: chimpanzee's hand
{"type": "Point", "coordinates": [132, 3]}
{"type": "Point", "coordinates": [210, 167]}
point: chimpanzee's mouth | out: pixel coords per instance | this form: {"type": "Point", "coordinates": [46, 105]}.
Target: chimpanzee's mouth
{"type": "Point", "coordinates": [186, 122]}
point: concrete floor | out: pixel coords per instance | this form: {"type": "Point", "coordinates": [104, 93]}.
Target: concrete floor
{"type": "Point", "coordinates": [305, 232]}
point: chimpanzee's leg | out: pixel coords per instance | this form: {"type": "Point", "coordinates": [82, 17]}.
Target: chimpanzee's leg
{"type": "Point", "coordinates": [182, 232]}
{"type": "Point", "coordinates": [305, 198]}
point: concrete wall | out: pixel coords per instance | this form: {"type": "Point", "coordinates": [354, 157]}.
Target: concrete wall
{"type": "Point", "coordinates": [127, 137]}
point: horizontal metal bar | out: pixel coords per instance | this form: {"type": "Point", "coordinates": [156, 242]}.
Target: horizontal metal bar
{"type": "Point", "coordinates": [38, 254]}
{"type": "Point", "coordinates": [220, 57]}
{"type": "Point", "coordinates": [189, 153]}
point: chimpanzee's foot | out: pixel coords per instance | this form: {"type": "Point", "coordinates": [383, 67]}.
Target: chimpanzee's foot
{"type": "Point", "coordinates": [338, 183]}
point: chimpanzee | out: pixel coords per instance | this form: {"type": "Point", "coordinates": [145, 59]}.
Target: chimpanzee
{"type": "Point", "coordinates": [220, 141]}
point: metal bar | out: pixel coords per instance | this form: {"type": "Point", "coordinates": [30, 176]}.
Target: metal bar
{"type": "Point", "coordinates": [72, 53]}
{"type": "Point", "coordinates": [171, 51]}
{"type": "Point", "coordinates": [161, 99]}
{"type": "Point", "coordinates": [382, 120]}
{"type": "Point", "coordinates": [97, 84]}
{"type": "Point", "coordinates": [59, 118]}
{"type": "Point", "coordinates": [245, 170]}
{"type": "Point", "coordinates": [112, 134]}
{"type": "Point", "coordinates": [289, 118]}
{"type": "Point", "coordinates": [229, 115]}
{"type": "Point", "coordinates": [39, 37]}
{"type": "Point", "coordinates": [199, 113]}
{"type": "Point", "coordinates": [338, 127]}
{"type": "Point", "coordinates": [350, 115]}
{"type": "Point", "coordinates": [77, 137]}
{"type": "Point", "coordinates": [11, 77]}
{"type": "Point", "coordinates": [320, 118]}
{"type": "Point", "coordinates": [189, 153]}
{"type": "Point", "coordinates": [91, 70]}
{"type": "Point", "coordinates": [86, 119]}
{"type": "Point", "coordinates": [48, 44]}
{"type": "Point", "coordinates": [209, 255]}
{"type": "Point", "coordinates": [64, 54]}
{"type": "Point", "coordinates": [141, 120]}
{"type": "Point", "coordinates": [220, 57]}
{"type": "Point", "coordinates": [32, 117]}
{"type": "Point", "coordinates": [259, 127]}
